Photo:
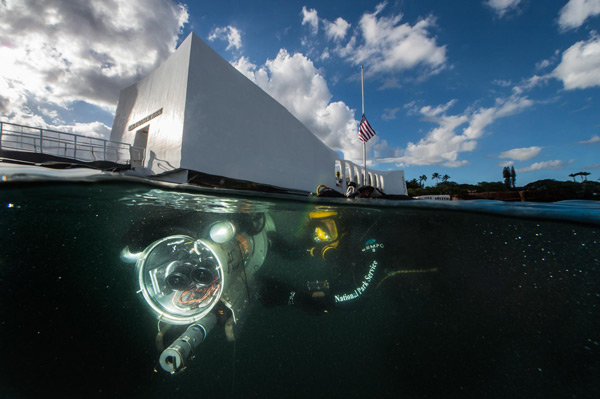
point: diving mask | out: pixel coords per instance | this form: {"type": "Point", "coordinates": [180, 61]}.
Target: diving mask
{"type": "Point", "coordinates": [326, 228]}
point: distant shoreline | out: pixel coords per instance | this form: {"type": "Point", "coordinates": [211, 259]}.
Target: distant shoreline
{"type": "Point", "coordinates": [525, 195]}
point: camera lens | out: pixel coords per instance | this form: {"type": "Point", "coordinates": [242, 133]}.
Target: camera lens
{"type": "Point", "coordinates": [179, 278]}
{"type": "Point", "coordinates": [177, 281]}
{"type": "Point", "coordinates": [201, 276]}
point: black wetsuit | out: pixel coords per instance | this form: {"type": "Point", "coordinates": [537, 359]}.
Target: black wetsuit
{"type": "Point", "coordinates": [354, 267]}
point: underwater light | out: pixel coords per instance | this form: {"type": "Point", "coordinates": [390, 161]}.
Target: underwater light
{"type": "Point", "coordinates": [222, 232]}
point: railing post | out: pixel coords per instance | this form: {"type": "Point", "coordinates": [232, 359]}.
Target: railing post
{"type": "Point", "coordinates": [1, 130]}
{"type": "Point", "coordinates": [41, 142]}
{"type": "Point", "coordinates": [75, 148]}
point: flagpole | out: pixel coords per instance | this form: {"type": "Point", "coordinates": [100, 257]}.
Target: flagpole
{"type": "Point", "coordinates": [362, 86]}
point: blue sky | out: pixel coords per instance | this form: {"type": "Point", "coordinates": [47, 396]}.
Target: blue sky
{"type": "Point", "coordinates": [461, 88]}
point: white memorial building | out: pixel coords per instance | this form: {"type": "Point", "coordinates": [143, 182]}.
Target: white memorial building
{"type": "Point", "coordinates": [197, 118]}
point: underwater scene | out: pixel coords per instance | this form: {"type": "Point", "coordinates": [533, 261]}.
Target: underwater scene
{"type": "Point", "coordinates": [128, 289]}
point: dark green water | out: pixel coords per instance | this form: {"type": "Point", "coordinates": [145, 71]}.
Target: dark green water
{"type": "Point", "coordinates": [511, 311]}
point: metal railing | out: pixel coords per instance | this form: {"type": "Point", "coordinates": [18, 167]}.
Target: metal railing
{"type": "Point", "coordinates": [29, 139]}
{"type": "Point", "coordinates": [347, 172]}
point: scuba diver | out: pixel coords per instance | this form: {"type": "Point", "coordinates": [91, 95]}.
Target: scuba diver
{"type": "Point", "coordinates": [354, 262]}
{"type": "Point", "coordinates": [198, 270]}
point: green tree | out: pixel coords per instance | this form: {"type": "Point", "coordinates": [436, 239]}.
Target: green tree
{"type": "Point", "coordinates": [445, 178]}
{"type": "Point", "coordinates": [485, 186]}
{"type": "Point", "coordinates": [412, 184]}
{"type": "Point", "coordinates": [422, 180]}
{"type": "Point", "coordinates": [513, 176]}
{"type": "Point", "coordinates": [506, 176]}
{"type": "Point", "coordinates": [436, 176]}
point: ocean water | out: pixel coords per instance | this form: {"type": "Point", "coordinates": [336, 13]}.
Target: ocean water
{"type": "Point", "coordinates": [466, 299]}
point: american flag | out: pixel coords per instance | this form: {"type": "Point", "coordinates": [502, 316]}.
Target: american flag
{"type": "Point", "coordinates": [365, 131]}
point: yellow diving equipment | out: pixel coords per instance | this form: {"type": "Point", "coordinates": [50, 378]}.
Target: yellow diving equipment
{"type": "Point", "coordinates": [325, 232]}
{"type": "Point", "coordinates": [322, 214]}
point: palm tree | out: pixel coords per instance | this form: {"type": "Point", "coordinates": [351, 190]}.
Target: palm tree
{"type": "Point", "coordinates": [584, 175]}
{"type": "Point", "coordinates": [422, 179]}
{"type": "Point", "coordinates": [436, 176]}
{"type": "Point", "coordinates": [445, 178]}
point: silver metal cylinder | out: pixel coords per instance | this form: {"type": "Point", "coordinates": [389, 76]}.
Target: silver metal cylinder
{"type": "Point", "coordinates": [174, 358]}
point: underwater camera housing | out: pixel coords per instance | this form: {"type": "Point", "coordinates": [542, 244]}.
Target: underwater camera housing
{"type": "Point", "coordinates": [187, 280]}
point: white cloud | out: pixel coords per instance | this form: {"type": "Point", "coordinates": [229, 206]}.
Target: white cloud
{"type": "Point", "coordinates": [595, 139]}
{"type": "Point", "coordinates": [575, 12]}
{"type": "Point", "coordinates": [411, 108]}
{"type": "Point", "coordinates": [430, 111]}
{"type": "Point", "coordinates": [502, 7]}
{"type": "Point", "coordinates": [580, 65]}
{"type": "Point", "coordinates": [542, 64]}
{"type": "Point", "coordinates": [443, 144]}
{"type": "Point", "coordinates": [391, 46]}
{"type": "Point", "coordinates": [502, 82]}
{"type": "Point", "coordinates": [294, 82]}
{"type": "Point", "coordinates": [382, 150]}
{"type": "Point", "coordinates": [390, 113]}
{"type": "Point", "coordinates": [521, 154]}
{"type": "Point", "coordinates": [390, 83]}
{"type": "Point", "coordinates": [506, 163]}
{"type": "Point", "coordinates": [336, 30]}
{"type": "Point", "coordinates": [55, 53]}
{"type": "Point", "coordinates": [530, 83]}
{"type": "Point", "coordinates": [553, 165]}
{"type": "Point", "coordinates": [456, 164]}
{"type": "Point", "coordinates": [229, 33]}
{"type": "Point", "coordinates": [246, 67]}
{"type": "Point", "coordinates": [93, 129]}
{"type": "Point", "coordinates": [310, 18]}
